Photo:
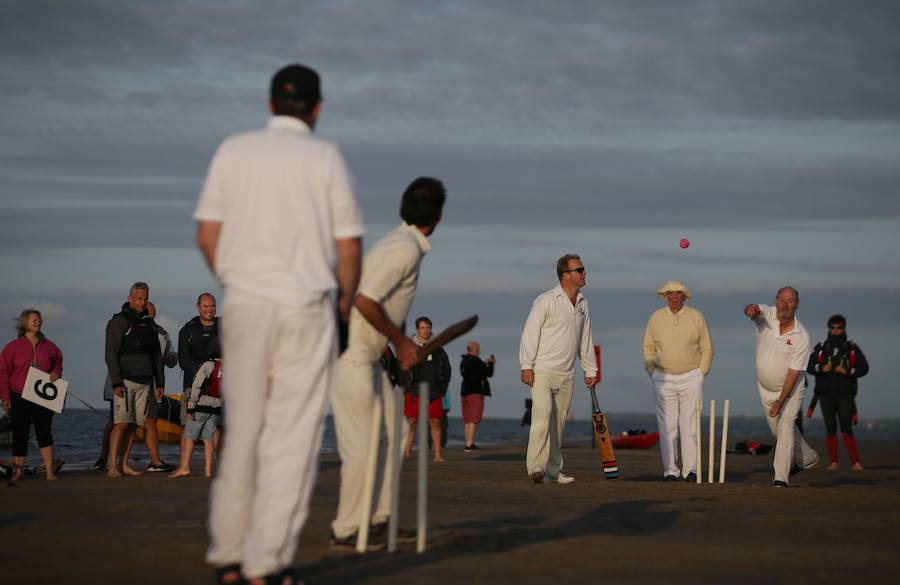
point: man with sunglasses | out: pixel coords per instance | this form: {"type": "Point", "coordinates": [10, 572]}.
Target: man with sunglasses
{"type": "Point", "coordinates": [782, 349]}
{"type": "Point", "coordinates": [557, 331]}
{"type": "Point", "coordinates": [837, 363]}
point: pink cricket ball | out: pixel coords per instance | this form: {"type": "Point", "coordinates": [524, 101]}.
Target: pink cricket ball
{"type": "Point", "coordinates": [684, 243]}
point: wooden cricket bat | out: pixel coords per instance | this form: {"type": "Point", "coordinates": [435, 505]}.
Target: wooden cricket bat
{"type": "Point", "coordinates": [604, 444]}
{"type": "Point", "coordinates": [449, 334]}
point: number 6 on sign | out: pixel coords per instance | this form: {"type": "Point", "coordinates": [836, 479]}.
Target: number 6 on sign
{"type": "Point", "coordinates": [40, 390]}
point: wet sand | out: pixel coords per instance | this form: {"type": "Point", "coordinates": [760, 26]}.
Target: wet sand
{"type": "Point", "coordinates": [490, 524]}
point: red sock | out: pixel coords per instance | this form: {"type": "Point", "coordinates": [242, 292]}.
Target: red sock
{"type": "Point", "coordinates": [850, 444]}
{"type": "Point", "coordinates": [831, 440]}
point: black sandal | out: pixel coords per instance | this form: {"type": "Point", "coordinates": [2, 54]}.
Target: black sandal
{"type": "Point", "coordinates": [223, 571]}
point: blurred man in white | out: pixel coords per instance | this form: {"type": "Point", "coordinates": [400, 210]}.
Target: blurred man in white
{"type": "Point", "coordinates": [782, 350]}
{"type": "Point", "coordinates": [386, 292]}
{"type": "Point", "coordinates": [557, 331]}
{"type": "Point", "coordinates": [677, 355]}
{"type": "Point", "coordinates": [279, 224]}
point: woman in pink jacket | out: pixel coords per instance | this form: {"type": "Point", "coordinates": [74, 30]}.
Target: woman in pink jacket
{"type": "Point", "coordinates": [30, 348]}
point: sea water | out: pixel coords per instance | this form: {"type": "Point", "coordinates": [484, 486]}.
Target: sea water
{"type": "Point", "coordinates": [77, 433]}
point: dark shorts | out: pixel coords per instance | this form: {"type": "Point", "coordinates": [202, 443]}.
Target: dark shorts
{"type": "Point", "coordinates": [411, 407]}
{"type": "Point", "coordinates": [472, 408]}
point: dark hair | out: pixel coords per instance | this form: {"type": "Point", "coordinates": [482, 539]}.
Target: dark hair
{"type": "Point", "coordinates": [284, 106]}
{"type": "Point", "coordinates": [837, 320]}
{"type": "Point", "coordinates": [423, 201]}
{"type": "Point", "coordinates": [563, 264]}
{"type": "Point", "coordinates": [423, 320]}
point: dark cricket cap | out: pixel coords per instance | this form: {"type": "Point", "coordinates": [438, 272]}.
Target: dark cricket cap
{"type": "Point", "coordinates": [296, 82]}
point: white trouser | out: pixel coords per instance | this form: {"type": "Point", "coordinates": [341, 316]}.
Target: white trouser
{"type": "Point", "coordinates": [676, 398]}
{"type": "Point", "coordinates": [357, 386]}
{"type": "Point", "coordinates": [277, 370]}
{"type": "Point", "coordinates": [551, 396]}
{"type": "Point", "coordinates": [790, 447]}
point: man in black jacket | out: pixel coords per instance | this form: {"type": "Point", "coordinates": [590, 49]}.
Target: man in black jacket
{"type": "Point", "coordinates": [135, 367]}
{"type": "Point", "coordinates": [434, 369]}
{"type": "Point", "coordinates": [198, 340]}
{"type": "Point", "coordinates": [475, 373]}
{"type": "Point", "coordinates": [837, 363]}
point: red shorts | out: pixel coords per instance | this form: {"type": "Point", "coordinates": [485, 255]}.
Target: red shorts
{"type": "Point", "coordinates": [411, 407]}
{"type": "Point", "coordinates": [472, 408]}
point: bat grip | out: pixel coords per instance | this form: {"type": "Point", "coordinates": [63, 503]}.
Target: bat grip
{"type": "Point", "coordinates": [595, 406]}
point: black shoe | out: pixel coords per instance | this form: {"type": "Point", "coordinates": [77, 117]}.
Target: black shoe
{"type": "Point", "coordinates": [670, 478]}
{"type": "Point", "coordinates": [348, 543]}
{"type": "Point", "coordinates": [472, 447]}
{"type": "Point", "coordinates": [162, 466]}
{"type": "Point", "coordinates": [379, 533]}
{"type": "Point", "coordinates": [99, 465]}
{"type": "Point", "coordinates": [537, 476]}
{"type": "Point", "coordinates": [779, 483]}
{"type": "Point", "coordinates": [692, 477]}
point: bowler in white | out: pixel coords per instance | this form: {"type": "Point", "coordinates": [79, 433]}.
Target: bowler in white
{"type": "Point", "coordinates": [782, 350]}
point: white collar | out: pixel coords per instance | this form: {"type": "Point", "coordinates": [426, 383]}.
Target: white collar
{"type": "Point", "coordinates": [290, 123]}
{"type": "Point", "coordinates": [422, 240]}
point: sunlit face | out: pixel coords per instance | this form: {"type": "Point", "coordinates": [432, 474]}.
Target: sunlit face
{"type": "Point", "coordinates": [423, 330]}
{"type": "Point", "coordinates": [206, 308]}
{"type": "Point", "coordinates": [137, 300]}
{"type": "Point", "coordinates": [786, 304]}
{"type": "Point", "coordinates": [575, 274]}
{"type": "Point", "coordinates": [33, 323]}
{"type": "Point", "coordinates": [675, 299]}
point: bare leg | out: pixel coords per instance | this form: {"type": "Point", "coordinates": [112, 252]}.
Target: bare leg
{"type": "Point", "coordinates": [19, 464]}
{"type": "Point", "coordinates": [218, 436]}
{"type": "Point", "coordinates": [208, 446]}
{"type": "Point", "coordinates": [47, 456]}
{"type": "Point", "coordinates": [151, 439]}
{"type": "Point", "coordinates": [115, 439]}
{"type": "Point", "coordinates": [410, 437]}
{"type": "Point", "coordinates": [184, 465]}
{"type": "Point", "coordinates": [435, 424]}
{"type": "Point", "coordinates": [470, 434]}
{"type": "Point", "coordinates": [104, 446]}
{"type": "Point", "coordinates": [128, 437]}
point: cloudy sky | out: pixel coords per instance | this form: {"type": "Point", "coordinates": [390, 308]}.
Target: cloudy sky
{"type": "Point", "coordinates": [767, 132]}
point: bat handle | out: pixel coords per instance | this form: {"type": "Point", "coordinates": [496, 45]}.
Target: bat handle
{"type": "Point", "coordinates": [596, 407]}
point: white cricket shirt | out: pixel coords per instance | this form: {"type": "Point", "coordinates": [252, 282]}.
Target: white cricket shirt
{"type": "Point", "coordinates": [283, 197]}
{"type": "Point", "coordinates": [390, 275]}
{"type": "Point", "coordinates": [555, 333]}
{"type": "Point", "coordinates": [776, 353]}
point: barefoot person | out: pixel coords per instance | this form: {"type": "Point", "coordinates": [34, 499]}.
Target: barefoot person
{"type": "Point", "coordinates": [204, 409]}
{"type": "Point", "coordinates": [434, 370]}
{"type": "Point", "coordinates": [557, 331]}
{"type": "Point", "coordinates": [279, 225]}
{"type": "Point", "coordinates": [386, 291]}
{"type": "Point", "coordinates": [782, 350]}
{"type": "Point", "coordinates": [30, 348]}
{"type": "Point", "coordinates": [135, 367]}
{"type": "Point", "coordinates": [837, 363]}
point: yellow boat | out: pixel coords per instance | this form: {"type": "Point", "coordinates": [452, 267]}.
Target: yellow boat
{"type": "Point", "coordinates": [169, 422]}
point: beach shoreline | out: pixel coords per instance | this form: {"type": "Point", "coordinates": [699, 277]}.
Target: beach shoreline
{"type": "Point", "coordinates": [488, 523]}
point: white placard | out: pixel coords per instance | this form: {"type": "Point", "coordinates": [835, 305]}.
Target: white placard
{"type": "Point", "coordinates": [40, 390]}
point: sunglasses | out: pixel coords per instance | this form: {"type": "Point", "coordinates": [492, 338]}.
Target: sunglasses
{"type": "Point", "coordinates": [579, 270]}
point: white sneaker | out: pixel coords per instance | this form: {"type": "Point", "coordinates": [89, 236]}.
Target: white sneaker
{"type": "Point", "coordinates": [561, 479]}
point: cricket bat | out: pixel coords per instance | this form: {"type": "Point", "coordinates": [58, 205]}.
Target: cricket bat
{"type": "Point", "coordinates": [604, 444]}
{"type": "Point", "coordinates": [449, 334]}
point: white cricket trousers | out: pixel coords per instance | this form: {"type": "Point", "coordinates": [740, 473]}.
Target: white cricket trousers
{"type": "Point", "coordinates": [676, 397]}
{"type": "Point", "coordinates": [357, 387]}
{"type": "Point", "coordinates": [551, 397]}
{"type": "Point", "coordinates": [790, 447]}
{"type": "Point", "coordinates": [277, 369]}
